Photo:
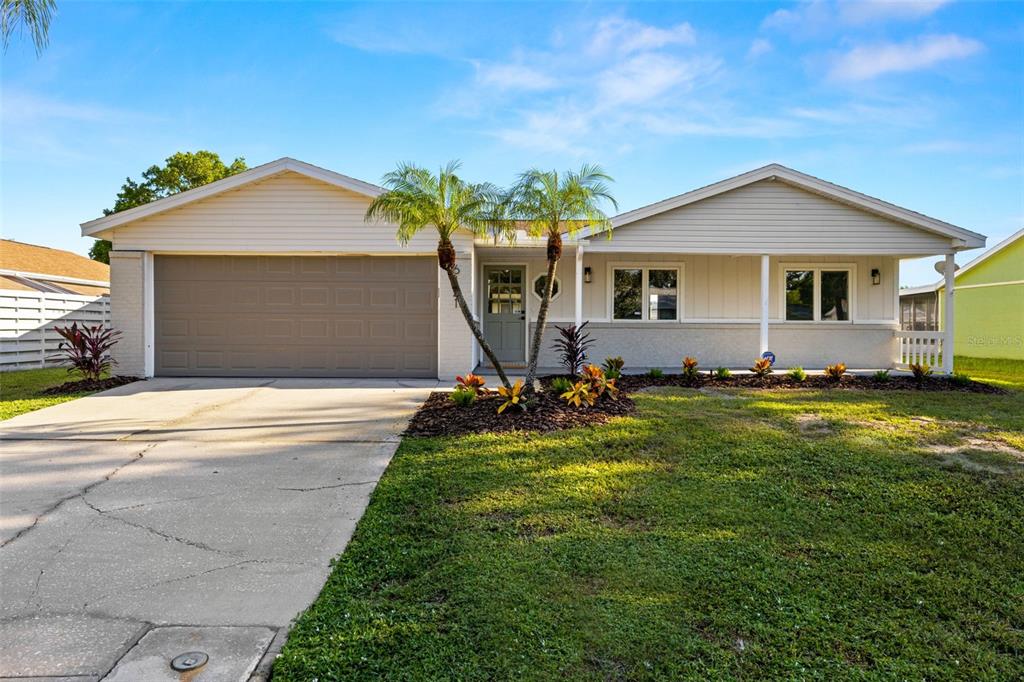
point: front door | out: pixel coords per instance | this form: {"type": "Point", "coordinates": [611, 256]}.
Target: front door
{"type": "Point", "coordinates": [505, 312]}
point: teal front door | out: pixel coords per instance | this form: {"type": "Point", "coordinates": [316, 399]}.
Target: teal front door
{"type": "Point", "coordinates": [505, 312]}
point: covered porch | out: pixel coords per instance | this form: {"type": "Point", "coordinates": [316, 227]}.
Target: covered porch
{"type": "Point", "coordinates": [725, 309]}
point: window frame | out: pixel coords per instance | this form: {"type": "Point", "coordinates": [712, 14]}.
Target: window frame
{"type": "Point", "coordinates": [851, 281]}
{"type": "Point", "coordinates": [645, 267]}
{"type": "Point", "coordinates": [533, 287]}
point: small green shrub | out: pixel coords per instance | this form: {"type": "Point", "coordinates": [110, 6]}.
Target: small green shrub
{"type": "Point", "coordinates": [560, 385]}
{"type": "Point", "coordinates": [463, 397]}
{"type": "Point", "coordinates": [960, 379]}
{"type": "Point", "coordinates": [722, 372]}
{"type": "Point", "coordinates": [613, 365]}
{"type": "Point", "coordinates": [881, 376]}
{"type": "Point", "coordinates": [797, 374]}
{"type": "Point", "coordinates": [655, 373]}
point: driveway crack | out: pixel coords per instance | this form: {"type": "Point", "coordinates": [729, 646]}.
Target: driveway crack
{"type": "Point", "coordinates": [159, 533]}
{"type": "Point", "coordinates": [328, 487]}
{"type": "Point", "coordinates": [80, 493]}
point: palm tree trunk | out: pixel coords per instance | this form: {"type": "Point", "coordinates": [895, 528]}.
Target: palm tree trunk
{"type": "Point", "coordinates": [446, 261]}
{"type": "Point", "coordinates": [542, 316]}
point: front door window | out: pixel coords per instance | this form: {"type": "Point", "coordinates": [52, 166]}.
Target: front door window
{"type": "Point", "coordinates": [505, 312]}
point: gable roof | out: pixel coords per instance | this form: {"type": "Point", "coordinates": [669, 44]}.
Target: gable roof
{"type": "Point", "coordinates": [227, 184]}
{"type": "Point", "coordinates": [1019, 234]}
{"type": "Point", "coordinates": [809, 183]}
{"type": "Point", "coordinates": [38, 261]}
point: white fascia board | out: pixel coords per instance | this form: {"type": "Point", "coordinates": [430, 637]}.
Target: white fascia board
{"type": "Point", "coordinates": [964, 239]}
{"type": "Point", "coordinates": [282, 165]}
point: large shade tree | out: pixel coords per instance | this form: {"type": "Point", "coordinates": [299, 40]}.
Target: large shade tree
{"type": "Point", "coordinates": [417, 199]}
{"type": "Point", "coordinates": [181, 171]}
{"type": "Point", "coordinates": [31, 16]}
{"type": "Point", "coordinates": [550, 204]}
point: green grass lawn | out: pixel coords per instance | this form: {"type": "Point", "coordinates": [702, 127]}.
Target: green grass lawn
{"type": "Point", "coordinates": [1005, 373]}
{"type": "Point", "coordinates": [22, 391]}
{"type": "Point", "coordinates": [774, 535]}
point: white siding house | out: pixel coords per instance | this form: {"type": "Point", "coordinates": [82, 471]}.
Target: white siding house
{"type": "Point", "coordinates": [772, 260]}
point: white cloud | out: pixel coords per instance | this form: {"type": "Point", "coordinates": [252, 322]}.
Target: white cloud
{"type": "Point", "coordinates": [550, 131]}
{"type": "Point", "coordinates": [823, 17]}
{"type": "Point", "coordinates": [625, 36]}
{"type": "Point", "coordinates": [759, 47]}
{"type": "Point", "coordinates": [866, 11]}
{"type": "Point", "coordinates": [648, 76]}
{"type": "Point", "coordinates": [514, 77]}
{"type": "Point", "coordinates": [869, 61]}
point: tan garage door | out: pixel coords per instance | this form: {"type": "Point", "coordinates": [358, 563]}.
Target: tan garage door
{"type": "Point", "coordinates": [295, 316]}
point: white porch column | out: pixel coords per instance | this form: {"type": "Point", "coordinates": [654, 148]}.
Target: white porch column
{"type": "Point", "coordinates": [579, 285]}
{"type": "Point", "coordinates": [764, 303]}
{"type": "Point", "coordinates": [947, 318]}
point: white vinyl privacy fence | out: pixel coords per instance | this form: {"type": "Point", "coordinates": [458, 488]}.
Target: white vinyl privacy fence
{"type": "Point", "coordinates": [27, 319]}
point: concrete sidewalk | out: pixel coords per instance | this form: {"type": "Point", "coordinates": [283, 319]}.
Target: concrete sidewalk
{"type": "Point", "coordinates": [207, 505]}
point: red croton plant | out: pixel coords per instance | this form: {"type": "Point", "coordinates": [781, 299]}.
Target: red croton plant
{"type": "Point", "coordinates": [86, 350]}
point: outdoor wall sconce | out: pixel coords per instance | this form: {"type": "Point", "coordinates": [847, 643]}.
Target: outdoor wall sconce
{"type": "Point", "coordinates": [876, 276]}
{"type": "Point", "coordinates": [588, 275]}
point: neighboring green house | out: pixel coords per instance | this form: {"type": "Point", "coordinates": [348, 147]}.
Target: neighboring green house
{"type": "Point", "coordinates": [989, 297]}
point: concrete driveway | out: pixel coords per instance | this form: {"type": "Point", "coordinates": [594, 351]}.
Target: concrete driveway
{"type": "Point", "coordinates": [175, 515]}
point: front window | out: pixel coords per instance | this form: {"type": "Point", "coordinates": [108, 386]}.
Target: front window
{"type": "Point", "coordinates": [628, 294]}
{"type": "Point", "coordinates": [541, 282]}
{"type": "Point", "coordinates": [817, 294]}
{"type": "Point", "coordinates": [661, 294]}
{"type": "Point", "coordinates": [645, 294]}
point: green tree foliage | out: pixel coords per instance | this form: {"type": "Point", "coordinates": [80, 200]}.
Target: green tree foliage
{"type": "Point", "coordinates": [32, 16]}
{"type": "Point", "coordinates": [180, 172]}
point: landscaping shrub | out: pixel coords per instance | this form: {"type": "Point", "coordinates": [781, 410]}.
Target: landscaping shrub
{"type": "Point", "coordinates": [613, 367]}
{"type": "Point", "coordinates": [797, 374]}
{"type": "Point", "coordinates": [473, 383]}
{"type": "Point", "coordinates": [86, 350]}
{"type": "Point", "coordinates": [463, 397]}
{"type": "Point", "coordinates": [881, 376]}
{"type": "Point", "coordinates": [600, 385]}
{"type": "Point", "coordinates": [762, 367]}
{"type": "Point", "coordinates": [560, 385]}
{"type": "Point", "coordinates": [722, 372]}
{"type": "Point", "coordinates": [572, 347]}
{"type": "Point", "coordinates": [655, 373]}
{"type": "Point", "coordinates": [513, 396]}
{"type": "Point", "coordinates": [690, 371]}
{"type": "Point", "coordinates": [580, 394]}
{"type": "Point", "coordinates": [920, 371]}
{"type": "Point", "coordinates": [835, 371]}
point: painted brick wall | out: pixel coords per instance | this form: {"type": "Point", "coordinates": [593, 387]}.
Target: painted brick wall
{"type": "Point", "coordinates": [126, 311]}
{"type": "Point", "coordinates": [455, 340]}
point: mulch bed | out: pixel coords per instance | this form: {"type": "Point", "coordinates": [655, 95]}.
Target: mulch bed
{"type": "Point", "coordinates": [85, 385]}
{"type": "Point", "coordinates": [635, 382]}
{"type": "Point", "coordinates": [439, 416]}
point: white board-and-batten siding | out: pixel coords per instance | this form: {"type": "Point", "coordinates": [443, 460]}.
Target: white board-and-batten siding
{"type": "Point", "coordinates": [285, 213]}
{"type": "Point", "coordinates": [770, 217]}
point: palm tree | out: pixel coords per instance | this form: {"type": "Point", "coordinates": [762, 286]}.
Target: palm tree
{"type": "Point", "coordinates": [550, 204]}
{"type": "Point", "coordinates": [31, 15]}
{"type": "Point", "coordinates": [416, 199]}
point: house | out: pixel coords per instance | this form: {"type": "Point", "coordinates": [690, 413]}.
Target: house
{"type": "Point", "coordinates": [274, 272]}
{"type": "Point", "coordinates": [988, 303]}
{"type": "Point", "coordinates": [28, 267]}
{"type": "Point", "coordinates": [41, 288]}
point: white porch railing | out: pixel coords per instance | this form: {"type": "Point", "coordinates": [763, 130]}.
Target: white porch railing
{"type": "Point", "coordinates": [921, 348]}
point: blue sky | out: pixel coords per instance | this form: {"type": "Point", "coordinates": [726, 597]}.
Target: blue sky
{"type": "Point", "coordinates": [921, 104]}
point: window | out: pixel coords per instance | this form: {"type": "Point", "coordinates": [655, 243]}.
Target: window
{"type": "Point", "coordinates": [541, 281]}
{"type": "Point", "coordinates": [628, 294]}
{"type": "Point", "coordinates": [817, 294]}
{"type": "Point", "coordinates": [645, 294]}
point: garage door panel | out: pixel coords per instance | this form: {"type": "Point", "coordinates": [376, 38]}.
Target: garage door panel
{"type": "Point", "coordinates": [296, 316]}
